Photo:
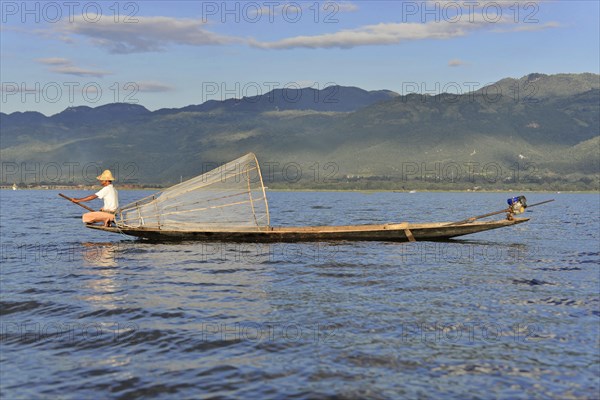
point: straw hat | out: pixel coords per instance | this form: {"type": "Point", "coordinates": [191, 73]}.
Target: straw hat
{"type": "Point", "coordinates": [106, 176]}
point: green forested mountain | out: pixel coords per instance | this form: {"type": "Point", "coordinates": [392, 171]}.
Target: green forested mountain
{"type": "Point", "coordinates": [539, 129]}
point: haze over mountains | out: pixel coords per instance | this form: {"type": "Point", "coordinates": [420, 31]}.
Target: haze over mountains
{"type": "Point", "coordinates": [541, 128]}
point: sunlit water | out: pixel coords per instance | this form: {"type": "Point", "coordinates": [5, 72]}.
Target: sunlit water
{"type": "Point", "coordinates": [511, 313]}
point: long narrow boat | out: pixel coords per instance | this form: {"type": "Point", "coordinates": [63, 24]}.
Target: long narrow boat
{"type": "Point", "coordinates": [229, 203]}
{"type": "Point", "coordinates": [401, 232]}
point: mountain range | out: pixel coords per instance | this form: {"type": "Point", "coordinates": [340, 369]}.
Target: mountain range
{"type": "Point", "coordinates": [542, 129]}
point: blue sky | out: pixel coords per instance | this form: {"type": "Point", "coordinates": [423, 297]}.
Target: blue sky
{"type": "Point", "coordinates": [166, 54]}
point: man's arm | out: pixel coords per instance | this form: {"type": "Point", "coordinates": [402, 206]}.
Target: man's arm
{"type": "Point", "coordinates": [81, 200]}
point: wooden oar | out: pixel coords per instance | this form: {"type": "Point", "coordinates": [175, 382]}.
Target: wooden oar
{"type": "Point", "coordinates": [541, 202]}
{"type": "Point", "coordinates": [79, 204]}
{"type": "Point", "coordinates": [466, 221]}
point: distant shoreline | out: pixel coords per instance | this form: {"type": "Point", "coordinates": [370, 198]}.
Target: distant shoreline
{"type": "Point", "coordinates": [304, 189]}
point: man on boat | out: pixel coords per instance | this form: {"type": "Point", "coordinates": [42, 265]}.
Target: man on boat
{"type": "Point", "coordinates": [109, 194]}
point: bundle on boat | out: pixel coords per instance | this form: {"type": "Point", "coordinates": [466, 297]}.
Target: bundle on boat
{"type": "Point", "coordinates": [230, 197]}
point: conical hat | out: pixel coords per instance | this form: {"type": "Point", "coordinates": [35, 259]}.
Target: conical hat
{"type": "Point", "coordinates": [106, 176]}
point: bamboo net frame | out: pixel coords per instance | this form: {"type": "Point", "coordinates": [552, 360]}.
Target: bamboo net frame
{"type": "Point", "coordinates": [231, 196]}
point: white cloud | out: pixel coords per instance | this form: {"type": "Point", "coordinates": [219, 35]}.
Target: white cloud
{"type": "Point", "coordinates": [65, 66]}
{"type": "Point", "coordinates": [529, 27]}
{"type": "Point", "coordinates": [345, 7]}
{"type": "Point", "coordinates": [54, 61]}
{"type": "Point", "coordinates": [380, 34]}
{"type": "Point", "coordinates": [148, 34]}
{"type": "Point", "coordinates": [455, 62]}
{"type": "Point", "coordinates": [395, 33]}
{"type": "Point", "coordinates": [78, 71]}
{"type": "Point", "coordinates": [151, 34]}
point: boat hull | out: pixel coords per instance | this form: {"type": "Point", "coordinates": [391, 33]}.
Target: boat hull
{"type": "Point", "coordinates": [400, 232]}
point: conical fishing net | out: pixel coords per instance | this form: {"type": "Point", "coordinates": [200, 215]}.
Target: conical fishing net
{"type": "Point", "coordinates": [231, 197]}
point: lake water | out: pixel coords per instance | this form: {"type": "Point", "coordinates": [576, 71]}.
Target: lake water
{"type": "Point", "coordinates": [511, 313]}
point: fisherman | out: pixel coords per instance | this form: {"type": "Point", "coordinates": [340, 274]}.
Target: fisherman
{"type": "Point", "coordinates": [109, 194]}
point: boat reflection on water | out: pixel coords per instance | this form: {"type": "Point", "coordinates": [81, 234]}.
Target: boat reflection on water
{"type": "Point", "coordinates": [100, 254]}
{"type": "Point", "coordinates": [101, 258]}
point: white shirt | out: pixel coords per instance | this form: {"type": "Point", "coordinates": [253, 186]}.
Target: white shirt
{"type": "Point", "coordinates": [110, 196]}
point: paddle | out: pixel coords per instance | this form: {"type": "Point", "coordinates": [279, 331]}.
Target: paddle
{"type": "Point", "coordinates": [541, 202]}
{"type": "Point", "coordinates": [466, 221]}
{"type": "Point", "coordinates": [79, 204]}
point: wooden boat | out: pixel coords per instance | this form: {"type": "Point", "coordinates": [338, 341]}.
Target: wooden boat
{"type": "Point", "coordinates": [229, 203]}
{"type": "Point", "coordinates": [400, 232]}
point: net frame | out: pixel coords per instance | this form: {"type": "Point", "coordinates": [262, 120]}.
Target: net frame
{"type": "Point", "coordinates": [229, 197]}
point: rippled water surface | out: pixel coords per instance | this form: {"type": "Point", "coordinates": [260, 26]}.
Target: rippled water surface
{"type": "Point", "coordinates": [512, 313]}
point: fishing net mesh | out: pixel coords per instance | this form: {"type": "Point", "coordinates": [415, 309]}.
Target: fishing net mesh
{"type": "Point", "coordinates": [229, 197]}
